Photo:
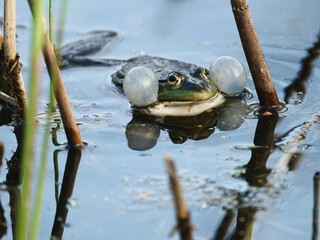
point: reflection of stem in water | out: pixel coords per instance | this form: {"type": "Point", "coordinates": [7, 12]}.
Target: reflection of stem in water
{"type": "Point", "coordinates": [69, 177]}
{"type": "Point", "coordinates": [3, 222]}
{"type": "Point", "coordinates": [1, 153]}
{"type": "Point", "coordinates": [316, 180]}
{"type": "Point", "coordinates": [291, 147]}
{"type": "Point", "coordinates": [14, 164]}
{"type": "Point", "coordinates": [245, 221]}
{"type": "Point", "coordinates": [54, 133]}
{"type": "Point", "coordinates": [15, 195]}
{"type": "Point", "coordinates": [256, 172]}
{"type": "Point", "coordinates": [56, 173]}
{"type": "Point", "coordinates": [297, 86]}
{"type": "Point", "coordinates": [224, 226]}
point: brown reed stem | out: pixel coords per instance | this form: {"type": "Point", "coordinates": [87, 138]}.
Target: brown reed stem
{"type": "Point", "coordinates": [183, 216]}
{"type": "Point", "coordinates": [13, 73]}
{"type": "Point", "coordinates": [1, 41]}
{"type": "Point", "coordinates": [258, 67]}
{"type": "Point", "coordinates": [68, 120]}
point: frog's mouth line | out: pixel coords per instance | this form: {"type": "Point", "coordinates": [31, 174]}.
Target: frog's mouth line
{"type": "Point", "coordinates": [183, 108]}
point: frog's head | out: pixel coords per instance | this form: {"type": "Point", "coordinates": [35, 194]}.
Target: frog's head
{"type": "Point", "coordinates": [171, 94]}
{"type": "Point", "coordinates": [188, 86]}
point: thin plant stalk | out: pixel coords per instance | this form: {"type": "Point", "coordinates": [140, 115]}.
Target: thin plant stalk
{"type": "Point", "coordinates": [183, 217]}
{"type": "Point", "coordinates": [1, 40]}
{"type": "Point", "coordinates": [53, 104]}
{"type": "Point", "coordinates": [10, 54]}
{"type": "Point", "coordinates": [29, 130]}
{"type": "Point", "coordinates": [62, 21]}
{"type": "Point", "coordinates": [40, 181]}
{"type": "Point", "coordinates": [9, 29]}
{"type": "Point", "coordinates": [258, 67]}
{"type": "Point", "coordinates": [68, 120]}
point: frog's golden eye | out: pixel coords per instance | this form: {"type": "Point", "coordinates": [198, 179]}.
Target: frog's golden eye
{"type": "Point", "coordinates": [174, 79]}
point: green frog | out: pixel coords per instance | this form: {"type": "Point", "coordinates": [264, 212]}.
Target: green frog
{"type": "Point", "coordinates": [184, 89]}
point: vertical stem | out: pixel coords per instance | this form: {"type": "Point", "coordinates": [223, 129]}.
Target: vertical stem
{"type": "Point", "coordinates": [29, 130]}
{"type": "Point", "coordinates": [183, 217]}
{"type": "Point", "coordinates": [252, 49]}
{"type": "Point", "coordinates": [69, 123]}
{"type": "Point", "coordinates": [9, 29]}
{"type": "Point", "coordinates": [52, 97]}
{"type": "Point", "coordinates": [62, 21]}
{"type": "Point", "coordinates": [11, 57]}
{"type": "Point", "coordinates": [40, 181]}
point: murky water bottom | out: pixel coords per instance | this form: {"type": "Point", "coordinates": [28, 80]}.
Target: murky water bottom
{"type": "Point", "coordinates": [227, 167]}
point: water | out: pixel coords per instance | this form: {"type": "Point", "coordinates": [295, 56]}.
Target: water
{"type": "Point", "coordinates": [121, 193]}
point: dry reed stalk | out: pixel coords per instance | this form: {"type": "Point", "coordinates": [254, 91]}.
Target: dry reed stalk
{"type": "Point", "coordinates": [1, 41]}
{"type": "Point", "coordinates": [13, 71]}
{"type": "Point", "coordinates": [183, 216]}
{"type": "Point", "coordinates": [258, 67]}
{"type": "Point", "coordinates": [68, 120]}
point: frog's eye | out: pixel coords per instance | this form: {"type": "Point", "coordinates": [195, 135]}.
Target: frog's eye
{"type": "Point", "coordinates": [174, 79]}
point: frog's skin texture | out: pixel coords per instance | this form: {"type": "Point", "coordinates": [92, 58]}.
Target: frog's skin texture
{"type": "Point", "coordinates": [178, 81]}
{"type": "Point", "coordinates": [184, 89]}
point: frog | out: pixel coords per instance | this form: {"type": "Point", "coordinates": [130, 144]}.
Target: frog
{"type": "Point", "coordinates": [185, 89]}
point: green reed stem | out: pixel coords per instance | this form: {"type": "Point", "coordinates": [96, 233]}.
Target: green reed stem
{"type": "Point", "coordinates": [50, 23]}
{"type": "Point", "coordinates": [29, 130]}
{"type": "Point", "coordinates": [53, 103]}
{"type": "Point", "coordinates": [40, 181]}
{"type": "Point", "coordinates": [62, 21]}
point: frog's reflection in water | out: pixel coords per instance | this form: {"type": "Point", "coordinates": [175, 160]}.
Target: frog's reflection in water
{"type": "Point", "coordinates": [143, 131]}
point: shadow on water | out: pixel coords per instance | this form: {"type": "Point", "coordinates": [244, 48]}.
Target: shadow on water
{"type": "Point", "coordinates": [143, 131]}
{"type": "Point", "coordinates": [298, 84]}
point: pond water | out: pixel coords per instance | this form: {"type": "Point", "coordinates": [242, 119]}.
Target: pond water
{"type": "Point", "coordinates": [227, 160]}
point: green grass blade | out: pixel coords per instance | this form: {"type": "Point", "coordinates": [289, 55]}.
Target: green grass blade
{"type": "Point", "coordinates": [29, 130]}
